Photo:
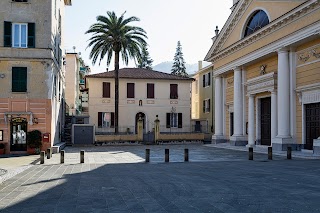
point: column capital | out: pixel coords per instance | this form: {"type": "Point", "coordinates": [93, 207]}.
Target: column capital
{"type": "Point", "coordinates": [283, 50]}
{"type": "Point", "coordinates": [237, 69]}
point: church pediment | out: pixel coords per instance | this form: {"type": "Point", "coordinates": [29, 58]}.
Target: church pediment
{"type": "Point", "coordinates": [231, 37]}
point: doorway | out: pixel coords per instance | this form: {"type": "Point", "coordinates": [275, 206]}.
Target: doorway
{"type": "Point", "coordinates": [312, 124]}
{"type": "Point", "coordinates": [265, 118]}
{"type": "Point", "coordinates": [18, 136]}
{"type": "Point", "coordinates": [142, 115]}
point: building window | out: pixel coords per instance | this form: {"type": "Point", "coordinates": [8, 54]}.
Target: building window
{"type": "Point", "coordinates": [130, 90]}
{"type": "Point", "coordinates": [19, 79]}
{"type": "Point", "coordinates": [258, 20]}
{"type": "Point", "coordinates": [174, 120]}
{"type": "Point", "coordinates": [19, 32]}
{"type": "Point", "coordinates": [206, 79]}
{"type": "Point", "coordinates": [206, 106]}
{"type": "Point", "coordinates": [150, 90]}
{"type": "Point", "coordinates": [21, 35]}
{"type": "Point", "coordinates": [173, 91]}
{"type": "Point", "coordinates": [106, 90]}
{"type": "Point", "coordinates": [20, 0]}
{"type": "Point", "coordinates": [106, 119]}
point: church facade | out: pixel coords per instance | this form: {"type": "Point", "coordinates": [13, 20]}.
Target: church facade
{"type": "Point", "coordinates": [267, 74]}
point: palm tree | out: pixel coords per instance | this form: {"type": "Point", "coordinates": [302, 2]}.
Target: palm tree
{"type": "Point", "coordinates": [112, 34]}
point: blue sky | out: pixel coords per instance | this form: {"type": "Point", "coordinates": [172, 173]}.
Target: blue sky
{"type": "Point", "coordinates": [165, 21]}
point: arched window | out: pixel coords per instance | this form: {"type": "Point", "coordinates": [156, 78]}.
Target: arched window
{"type": "Point", "coordinates": [258, 20]}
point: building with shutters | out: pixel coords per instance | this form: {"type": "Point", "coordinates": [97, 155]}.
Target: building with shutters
{"type": "Point", "coordinates": [266, 70]}
{"type": "Point", "coordinates": [31, 71]}
{"type": "Point", "coordinates": [142, 93]}
{"type": "Point", "coordinates": [202, 99]}
{"type": "Point", "coordinates": [75, 86]}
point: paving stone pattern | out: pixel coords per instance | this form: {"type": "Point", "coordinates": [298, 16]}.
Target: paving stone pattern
{"type": "Point", "coordinates": [215, 180]}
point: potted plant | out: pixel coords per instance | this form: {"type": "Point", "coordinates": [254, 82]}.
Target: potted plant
{"type": "Point", "coordinates": [34, 142]}
{"type": "Point", "coordinates": [2, 148]}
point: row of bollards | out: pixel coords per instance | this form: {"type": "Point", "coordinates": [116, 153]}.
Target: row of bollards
{"type": "Point", "coordinates": [167, 156]}
{"type": "Point", "coordinates": [49, 155]}
{"type": "Point", "coordinates": [289, 153]}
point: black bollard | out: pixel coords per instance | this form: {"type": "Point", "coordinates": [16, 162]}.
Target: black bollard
{"type": "Point", "coordinates": [186, 155]}
{"type": "Point", "coordinates": [147, 155]}
{"type": "Point", "coordinates": [270, 153]}
{"type": "Point", "coordinates": [289, 152]}
{"type": "Point", "coordinates": [166, 155]}
{"type": "Point", "coordinates": [62, 156]}
{"type": "Point", "coordinates": [250, 153]}
{"type": "Point", "coordinates": [48, 153]}
{"type": "Point", "coordinates": [42, 154]}
{"type": "Point", "coordinates": [82, 156]}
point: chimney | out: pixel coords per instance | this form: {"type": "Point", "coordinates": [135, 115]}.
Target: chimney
{"type": "Point", "coordinates": [199, 65]}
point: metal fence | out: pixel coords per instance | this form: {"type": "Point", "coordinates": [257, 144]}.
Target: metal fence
{"type": "Point", "coordinates": [185, 129]}
{"type": "Point", "coordinates": [123, 130]}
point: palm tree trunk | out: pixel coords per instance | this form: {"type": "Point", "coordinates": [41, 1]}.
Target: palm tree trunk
{"type": "Point", "coordinates": [116, 89]}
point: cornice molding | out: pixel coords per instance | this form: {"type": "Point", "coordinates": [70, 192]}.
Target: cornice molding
{"type": "Point", "coordinates": [237, 12]}
{"type": "Point", "coordinates": [275, 25]}
{"type": "Point", "coordinates": [271, 48]}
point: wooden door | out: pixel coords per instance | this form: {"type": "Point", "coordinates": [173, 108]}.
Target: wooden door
{"type": "Point", "coordinates": [312, 124]}
{"type": "Point", "coordinates": [265, 121]}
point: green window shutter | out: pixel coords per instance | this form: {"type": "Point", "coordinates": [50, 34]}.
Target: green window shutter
{"type": "Point", "coordinates": [112, 120]}
{"type": "Point", "coordinates": [7, 34]}
{"type": "Point", "coordinates": [179, 120]}
{"type": "Point", "coordinates": [99, 119]}
{"type": "Point", "coordinates": [19, 79]}
{"type": "Point", "coordinates": [31, 35]}
{"type": "Point", "coordinates": [168, 120]}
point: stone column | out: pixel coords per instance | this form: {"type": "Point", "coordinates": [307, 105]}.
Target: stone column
{"type": "Point", "coordinates": [274, 115]}
{"type": "Point", "coordinates": [156, 129]}
{"type": "Point", "coordinates": [237, 102]}
{"type": "Point", "coordinates": [238, 138]}
{"type": "Point", "coordinates": [283, 94]}
{"type": "Point", "coordinates": [251, 126]}
{"type": "Point", "coordinates": [140, 129]}
{"type": "Point", "coordinates": [283, 139]}
{"type": "Point", "coordinates": [218, 137]}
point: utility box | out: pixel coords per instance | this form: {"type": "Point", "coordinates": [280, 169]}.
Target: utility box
{"type": "Point", "coordinates": [46, 137]}
{"type": "Point", "coordinates": [83, 134]}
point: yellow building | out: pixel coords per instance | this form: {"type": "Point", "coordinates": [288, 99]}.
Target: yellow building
{"type": "Point", "coordinates": [31, 71]}
{"type": "Point", "coordinates": [202, 99]}
{"type": "Point", "coordinates": [142, 93]}
{"type": "Point", "coordinates": [267, 74]}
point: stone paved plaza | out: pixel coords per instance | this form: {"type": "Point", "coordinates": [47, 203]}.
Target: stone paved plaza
{"type": "Point", "coordinates": [116, 179]}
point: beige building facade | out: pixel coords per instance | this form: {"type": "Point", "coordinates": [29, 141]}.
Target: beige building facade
{"type": "Point", "coordinates": [266, 71]}
{"type": "Point", "coordinates": [142, 93]}
{"type": "Point", "coordinates": [31, 71]}
{"type": "Point", "coordinates": [202, 99]}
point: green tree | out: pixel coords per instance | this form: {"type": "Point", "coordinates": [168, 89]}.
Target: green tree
{"type": "Point", "coordinates": [113, 35]}
{"type": "Point", "coordinates": [145, 61]}
{"type": "Point", "coordinates": [179, 67]}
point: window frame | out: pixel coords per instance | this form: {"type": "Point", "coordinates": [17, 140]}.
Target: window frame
{"type": "Point", "coordinates": [20, 35]}
{"type": "Point", "coordinates": [101, 120]}
{"type": "Point", "coordinates": [207, 105]}
{"type": "Point", "coordinates": [150, 94]}
{"type": "Point", "coordinates": [250, 20]}
{"type": "Point", "coordinates": [106, 93]}
{"type": "Point", "coordinates": [130, 91]}
{"type": "Point", "coordinates": [174, 94]}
